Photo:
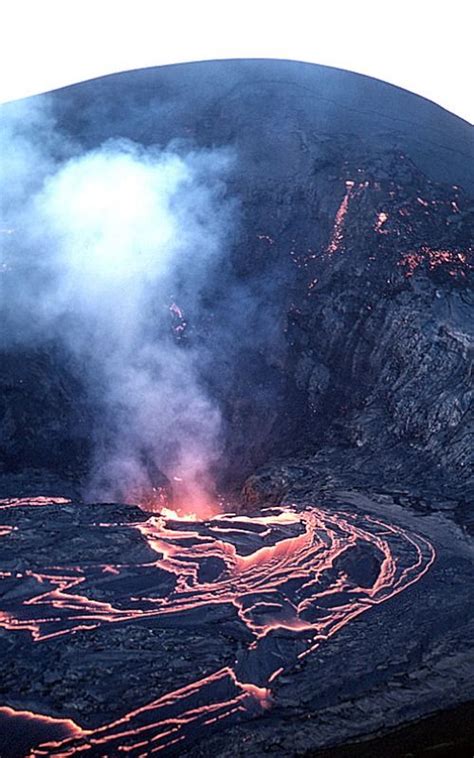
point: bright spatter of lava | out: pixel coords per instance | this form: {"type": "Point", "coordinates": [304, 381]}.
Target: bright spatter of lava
{"type": "Point", "coordinates": [184, 504]}
{"type": "Point", "coordinates": [294, 577]}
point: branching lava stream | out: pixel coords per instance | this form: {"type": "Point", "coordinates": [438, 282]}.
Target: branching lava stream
{"type": "Point", "coordinates": [294, 576]}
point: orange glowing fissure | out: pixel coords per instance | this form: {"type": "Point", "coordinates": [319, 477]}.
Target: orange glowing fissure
{"type": "Point", "coordinates": [338, 228]}
{"type": "Point", "coordinates": [458, 263]}
{"type": "Point", "coordinates": [300, 584]}
{"type": "Point", "coordinates": [352, 189]}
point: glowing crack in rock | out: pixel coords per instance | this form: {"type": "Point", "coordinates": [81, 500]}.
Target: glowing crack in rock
{"type": "Point", "coordinates": [37, 726]}
{"type": "Point", "coordinates": [456, 262]}
{"type": "Point", "coordinates": [12, 502]}
{"type": "Point", "coordinates": [337, 234]}
{"type": "Point", "coordinates": [309, 573]}
{"type": "Point", "coordinates": [338, 228]}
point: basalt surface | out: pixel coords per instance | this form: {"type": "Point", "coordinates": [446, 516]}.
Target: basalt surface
{"type": "Point", "coordinates": [302, 626]}
{"type": "Point", "coordinates": [347, 396]}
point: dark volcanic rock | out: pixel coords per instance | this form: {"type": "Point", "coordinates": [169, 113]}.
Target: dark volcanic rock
{"type": "Point", "coordinates": [355, 243]}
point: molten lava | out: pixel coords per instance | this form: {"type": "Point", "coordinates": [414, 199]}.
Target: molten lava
{"type": "Point", "coordinates": [293, 578]}
{"type": "Point", "coordinates": [457, 263]}
{"type": "Point", "coordinates": [338, 228]}
{"type": "Point", "coordinates": [184, 504]}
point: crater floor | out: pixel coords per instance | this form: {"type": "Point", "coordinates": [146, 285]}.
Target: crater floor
{"type": "Point", "coordinates": [125, 631]}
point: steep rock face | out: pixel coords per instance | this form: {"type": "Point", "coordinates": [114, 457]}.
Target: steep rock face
{"type": "Point", "coordinates": [44, 422]}
{"type": "Point", "coordinates": [354, 249]}
{"type": "Point", "coordinates": [382, 342]}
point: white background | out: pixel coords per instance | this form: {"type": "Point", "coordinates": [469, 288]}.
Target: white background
{"type": "Point", "coordinates": [425, 46]}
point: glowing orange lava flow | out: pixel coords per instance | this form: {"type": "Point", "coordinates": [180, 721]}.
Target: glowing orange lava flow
{"type": "Point", "coordinates": [337, 234]}
{"type": "Point", "coordinates": [12, 502]}
{"type": "Point", "coordinates": [304, 578]}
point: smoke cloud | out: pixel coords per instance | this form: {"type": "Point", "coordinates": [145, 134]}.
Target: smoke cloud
{"type": "Point", "coordinates": [108, 251]}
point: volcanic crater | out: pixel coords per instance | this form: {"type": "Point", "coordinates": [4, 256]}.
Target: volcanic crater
{"type": "Point", "coordinates": [309, 581]}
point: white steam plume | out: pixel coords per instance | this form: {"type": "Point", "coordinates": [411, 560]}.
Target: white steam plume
{"type": "Point", "coordinates": [103, 242]}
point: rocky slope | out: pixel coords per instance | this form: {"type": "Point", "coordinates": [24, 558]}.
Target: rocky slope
{"type": "Point", "coordinates": [354, 248]}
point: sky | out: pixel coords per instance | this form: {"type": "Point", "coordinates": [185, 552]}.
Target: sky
{"type": "Point", "coordinates": [420, 45]}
